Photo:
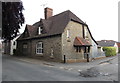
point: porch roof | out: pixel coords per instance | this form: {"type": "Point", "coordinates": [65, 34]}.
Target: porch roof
{"type": "Point", "coordinates": [79, 41]}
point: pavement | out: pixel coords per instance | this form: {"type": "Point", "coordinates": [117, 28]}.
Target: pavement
{"type": "Point", "coordinates": [105, 69]}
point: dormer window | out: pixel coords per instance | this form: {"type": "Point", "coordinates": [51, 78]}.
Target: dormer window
{"type": "Point", "coordinates": [40, 30]}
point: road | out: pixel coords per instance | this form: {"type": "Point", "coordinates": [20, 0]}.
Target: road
{"type": "Point", "coordinates": [17, 70]}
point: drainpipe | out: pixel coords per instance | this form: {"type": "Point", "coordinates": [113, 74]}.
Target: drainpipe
{"type": "Point", "coordinates": [83, 29]}
{"type": "Point", "coordinates": [87, 57]}
{"type": "Point", "coordinates": [88, 53]}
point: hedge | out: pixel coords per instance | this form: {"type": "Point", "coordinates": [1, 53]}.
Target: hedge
{"type": "Point", "coordinates": [109, 51]}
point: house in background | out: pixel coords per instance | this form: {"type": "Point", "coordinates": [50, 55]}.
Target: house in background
{"type": "Point", "coordinates": [6, 47]}
{"type": "Point", "coordinates": [118, 44]}
{"type": "Point", "coordinates": [9, 46]}
{"type": "Point", "coordinates": [62, 37]}
{"type": "Point", "coordinates": [108, 43]}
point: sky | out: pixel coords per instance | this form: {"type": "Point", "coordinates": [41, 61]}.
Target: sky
{"type": "Point", "coordinates": [100, 15]}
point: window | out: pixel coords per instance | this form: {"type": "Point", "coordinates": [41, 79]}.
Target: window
{"type": "Point", "coordinates": [86, 33]}
{"type": "Point", "coordinates": [24, 45]}
{"type": "Point", "coordinates": [68, 33]}
{"type": "Point", "coordinates": [39, 48]}
{"type": "Point", "coordinates": [78, 49]}
{"type": "Point", "coordinates": [40, 30]}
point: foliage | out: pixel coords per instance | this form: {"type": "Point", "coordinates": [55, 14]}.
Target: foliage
{"type": "Point", "coordinates": [12, 19]}
{"type": "Point", "coordinates": [109, 51]}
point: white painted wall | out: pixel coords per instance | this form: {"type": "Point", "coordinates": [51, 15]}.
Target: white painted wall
{"type": "Point", "coordinates": [116, 46]}
{"type": "Point", "coordinates": [94, 49]}
{"type": "Point", "coordinates": [12, 47]}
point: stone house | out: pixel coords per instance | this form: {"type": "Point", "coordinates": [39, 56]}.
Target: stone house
{"type": "Point", "coordinates": [6, 47]}
{"type": "Point", "coordinates": [9, 46]}
{"type": "Point", "coordinates": [62, 37]}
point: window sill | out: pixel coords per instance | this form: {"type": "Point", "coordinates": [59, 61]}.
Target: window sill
{"type": "Point", "coordinates": [40, 54]}
{"type": "Point", "coordinates": [68, 40]}
{"type": "Point", "coordinates": [86, 38]}
{"type": "Point", "coordinates": [52, 57]}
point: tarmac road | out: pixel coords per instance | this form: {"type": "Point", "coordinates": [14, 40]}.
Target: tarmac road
{"type": "Point", "coordinates": [17, 70]}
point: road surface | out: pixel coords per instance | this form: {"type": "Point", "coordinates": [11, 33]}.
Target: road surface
{"type": "Point", "coordinates": [17, 70]}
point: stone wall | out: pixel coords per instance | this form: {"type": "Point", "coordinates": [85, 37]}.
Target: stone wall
{"type": "Point", "coordinates": [68, 49]}
{"type": "Point", "coordinates": [49, 43]}
{"type": "Point", "coordinates": [21, 51]}
{"type": "Point", "coordinates": [75, 29]}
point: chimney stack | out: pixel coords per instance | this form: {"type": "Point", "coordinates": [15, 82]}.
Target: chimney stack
{"type": "Point", "coordinates": [48, 12]}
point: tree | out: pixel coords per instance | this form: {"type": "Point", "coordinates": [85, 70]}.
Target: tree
{"type": "Point", "coordinates": [12, 19]}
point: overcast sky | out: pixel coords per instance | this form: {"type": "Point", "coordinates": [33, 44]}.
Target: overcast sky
{"type": "Point", "coordinates": [100, 15]}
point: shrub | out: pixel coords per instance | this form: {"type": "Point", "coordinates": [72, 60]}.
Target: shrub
{"type": "Point", "coordinates": [109, 51]}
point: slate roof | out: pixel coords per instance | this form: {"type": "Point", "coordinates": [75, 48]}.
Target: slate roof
{"type": "Point", "coordinates": [79, 41]}
{"type": "Point", "coordinates": [31, 31]}
{"type": "Point", "coordinates": [106, 43]}
{"type": "Point", "coordinates": [54, 25]}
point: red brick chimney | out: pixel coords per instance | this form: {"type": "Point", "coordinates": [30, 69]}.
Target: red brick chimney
{"type": "Point", "coordinates": [48, 12]}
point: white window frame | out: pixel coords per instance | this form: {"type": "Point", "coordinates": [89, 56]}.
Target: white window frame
{"type": "Point", "coordinates": [39, 50]}
{"type": "Point", "coordinates": [68, 33]}
{"type": "Point", "coordinates": [39, 30]}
